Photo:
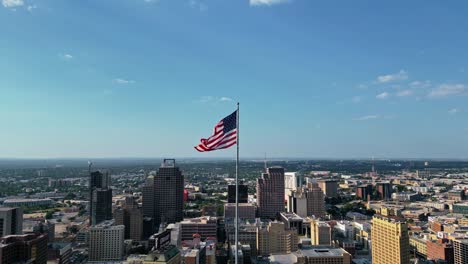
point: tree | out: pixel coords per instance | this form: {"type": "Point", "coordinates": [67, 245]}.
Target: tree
{"type": "Point", "coordinates": [49, 215]}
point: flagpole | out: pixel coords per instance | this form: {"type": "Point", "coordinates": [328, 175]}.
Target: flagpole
{"type": "Point", "coordinates": [236, 221]}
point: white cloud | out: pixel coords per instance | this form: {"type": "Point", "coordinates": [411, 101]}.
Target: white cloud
{"type": "Point", "coordinates": [225, 99]}
{"type": "Point", "coordinates": [421, 84]}
{"type": "Point", "coordinates": [122, 81]}
{"type": "Point", "coordinates": [404, 93]}
{"type": "Point", "coordinates": [214, 99]}
{"type": "Point", "coordinates": [445, 90]}
{"type": "Point", "coordinates": [268, 2]}
{"type": "Point", "coordinates": [454, 111]}
{"type": "Point", "coordinates": [30, 8]}
{"type": "Point", "coordinates": [383, 95]}
{"type": "Point", "coordinates": [400, 76]}
{"type": "Point", "coordinates": [197, 4]}
{"type": "Point", "coordinates": [12, 3]}
{"type": "Point", "coordinates": [66, 56]}
{"type": "Point", "coordinates": [365, 118]}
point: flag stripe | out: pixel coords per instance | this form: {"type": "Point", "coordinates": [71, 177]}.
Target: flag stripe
{"type": "Point", "coordinates": [224, 135]}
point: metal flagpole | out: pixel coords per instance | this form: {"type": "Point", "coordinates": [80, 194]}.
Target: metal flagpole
{"type": "Point", "coordinates": [236, 221]}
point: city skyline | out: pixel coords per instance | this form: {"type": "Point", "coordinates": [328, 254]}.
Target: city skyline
{"type": "Point", "coordinates": [315, 80]}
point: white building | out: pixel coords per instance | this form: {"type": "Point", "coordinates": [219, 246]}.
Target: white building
{"type": "Point", "coordinates": [346, 228]}
{"type": "Point", "coordinates": [106, 242]}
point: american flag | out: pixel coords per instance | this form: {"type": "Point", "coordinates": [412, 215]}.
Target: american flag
{"type": "Point", "coordinates": [224, 135]}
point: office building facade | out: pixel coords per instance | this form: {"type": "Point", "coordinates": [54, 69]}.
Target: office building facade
{"type": "Point", "coordinates": [270, 193]}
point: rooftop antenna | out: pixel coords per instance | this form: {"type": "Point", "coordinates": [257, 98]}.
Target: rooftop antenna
{"type": "Point", "coordinates": [373, 165]}
{"type": "Point", "coordinates": [265, 162]}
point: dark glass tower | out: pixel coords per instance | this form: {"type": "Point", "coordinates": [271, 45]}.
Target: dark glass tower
{"type": "Point", "coordinates": [243, 193]}
{"type": "Point", "coordinates": [100, 208]}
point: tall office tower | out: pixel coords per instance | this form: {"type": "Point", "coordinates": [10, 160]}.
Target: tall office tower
{"type": "Point", "coordinates": [363, 191]}
{"type": "Point", "coordinates": [384, 189]}
{"type": "Point", "coordinates": [329, 187]}
{"type": "Point", "coordinates": [100, 197]}
{"type": "Point", "coordinates": [275, 239]}
{"type": "Point", "coordinates": [390, 241]}
{"type": "Point", "coordinates": [292, 180]}
{"type": "Point", "coordinates": [106, 242]}
{"type": "Point", "coordinates": [163, 199]}
{"type": "Point", "coordinates": [130, 215]}
{"type": "Point", "coordinates": [440, 249]}
{"type": "Point", "coordinates": [320, 233]}
{"type": "Point", "coordinates": [297, 202]}
{"type": "Point", "coordinates": [460, 250]}
{"type": "Point", "coordinates": [315, 201]}
{"type": "Point", "coordinates": [243, 193]}
{"type": "Point", "coordinates": [27, 248]}
{"type": "Point", "coordinates": [11, 221]}
{"type": "Point", "coordinates": [270, 193]}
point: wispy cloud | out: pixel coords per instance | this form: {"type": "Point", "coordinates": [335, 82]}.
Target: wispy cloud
{"type": "Point", "coordinates": [30, 8]}
{"type": "Point", "coordinates": [197, 4]}
{"type": "Point", "coordinates": [400, 76]}
{"type": "Point", "coordinates": [268, 2]}
{"type": "Point", "coordinates": [214, 99]}
{"type": "Point", "coordinates": [454, 111]}
{"type": "Point", "coordinates": [367, 117]}
{"type": "Point", "coordinates": [420, 84]}
{"type": "Point", "coordinates": [123, 81]}
{"type": "Point", "coordinates": [383, 95]}
{"type": "Point", "coordinates": [12, 3]}
{"type": "Point", "coordinates": [445, 90]}
{"type": "Point", "coordinates": [404, 93]}
{"type": "Point", "coordinates": [66, 56]}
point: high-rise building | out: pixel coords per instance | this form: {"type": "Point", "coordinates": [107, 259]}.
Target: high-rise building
{"type": "Point", "coordinates": [297, 202]}
{"type": "Point", "coordinates": [460, 250]}
{"type": "Point", "coordinates": [384, 189]}
{"type": "Point", "coordinates": [292, 180]}
{"type": "Point", "coordinates": [315, 201]}
{"type": "Point", "coordinates": [440, 249]}
{"type": "Point", "coordinates": [270, 193]}
{"type": "Point", "coordinates": [320, 233]}
{"type": "Point", "coordinates": [11, 221]}
{"type": "Point", "coordinates": [100, 197]}
{"type": "Point", "coordinates": [275, 239]}
{"type": "Point", "coordinates": [329, 187]}
{"type": "Point", "coordinates": [246, 211]}
{"type": "Point", "coordinates": [106, 242]}
{"type": "Point", "coordinates": [363, 191]}
{"type": "Point", "coordinates": [390, 241]}
{"type": "Point", "coordinates": [163, 199]}
{"type": "Point", "coordinates": [27, 248]}
{"type": "Point", "coordinates": [243, 193]}
{"type": "Point", "coordinates": [130, 215]}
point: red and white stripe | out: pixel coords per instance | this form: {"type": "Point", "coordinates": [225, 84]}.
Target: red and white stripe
{"type": "Point", "coordinates": [219, 139]}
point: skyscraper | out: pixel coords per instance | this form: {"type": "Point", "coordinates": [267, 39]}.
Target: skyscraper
{"type": "Point", "coordinates": [100, 197]}
{"type": "Point", "coordinates": [106, 242]}
{"type": "Point", "coordinates": [390, 241]}
{"type": "Point", "coordinates": [270, 193]}
{"type": "Point", "coordinates": [130, 215]}
{"type": "Point", "coordinates": [384, 189]}
{"type": "Point", "coordinates": [26, 248]}
{"type": "Point", "coordinates": [11, 221]}
{"type": "Point", "coordinates": [276, 239]}
{"type": "Point", "coordinates": [460, 250]}
{"type": "Point", "coordinates": [315, 200]}
{"type": "Point", "coordinates": [320, 233]}
{"type": "Point", "coordinates": [243, 193]}
{"type": "Point", "coordinates": [163, 199]}
{"type": "Point", "coordinates": [329, 187]}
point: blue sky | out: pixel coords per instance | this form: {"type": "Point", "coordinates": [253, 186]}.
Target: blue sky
{"type": "Point", "coordinates": [140, 78]}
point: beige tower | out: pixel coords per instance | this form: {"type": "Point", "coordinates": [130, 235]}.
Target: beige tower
{"type": "Point", "coordinates": [276, 240]}
{"type": "Point", "coordinates": [390, 241]}
{"type": "Point", "coordinates": [320, 233]}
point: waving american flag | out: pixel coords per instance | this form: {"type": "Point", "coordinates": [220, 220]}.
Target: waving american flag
{"type": "Point", "coordinates": [224, 135]}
